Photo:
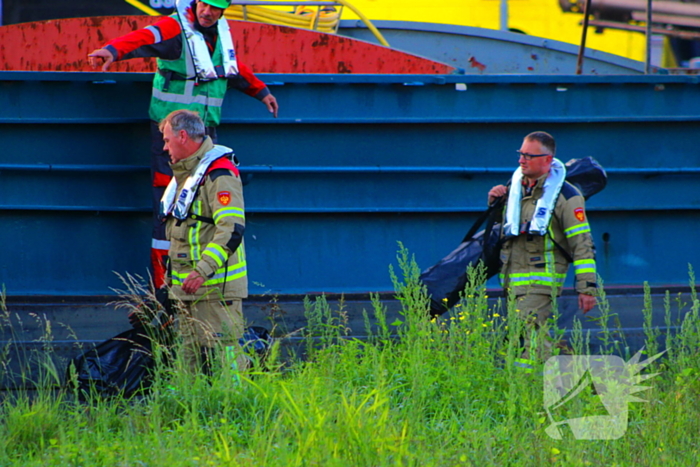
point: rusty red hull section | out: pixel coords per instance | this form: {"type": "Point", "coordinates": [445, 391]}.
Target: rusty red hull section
{"type": "Point", "coordinates": [63, 45]}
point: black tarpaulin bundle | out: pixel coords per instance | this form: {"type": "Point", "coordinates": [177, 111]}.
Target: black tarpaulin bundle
{"type": "Point", "coordinates": [124, 364]}
{"type": "Point", "coordinates": [587, 175]}
{"type": "Point", "coordinates": [118, 366]}
{"type": "Point", "coordinates": [446, 280]}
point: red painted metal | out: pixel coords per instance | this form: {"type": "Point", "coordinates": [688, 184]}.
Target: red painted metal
{"type": "Point", "coordinates": [63, 45]}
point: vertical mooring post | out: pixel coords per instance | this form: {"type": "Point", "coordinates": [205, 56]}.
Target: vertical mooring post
{"type": "Point", "coordinates": [582, 48]}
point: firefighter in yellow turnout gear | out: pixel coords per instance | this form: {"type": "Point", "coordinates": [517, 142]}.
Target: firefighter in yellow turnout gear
{"type": "Point", "coordinates": [545, 228]}
{"type": "Point", "coordinates": [205, 221]}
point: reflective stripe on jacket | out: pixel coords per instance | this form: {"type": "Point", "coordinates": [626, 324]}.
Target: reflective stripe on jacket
{"type": "Point", "coordinates": [534, 264]}
{"type": "Point", "coordinates": [204, 243]}
{"type": "Point", "coordinates": [204, 97]}
{"type": "Point", "coordinates": [164, 40]}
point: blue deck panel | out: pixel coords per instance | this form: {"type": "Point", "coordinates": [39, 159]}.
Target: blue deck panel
{"type": "Point", "coordinates": [353, 165]}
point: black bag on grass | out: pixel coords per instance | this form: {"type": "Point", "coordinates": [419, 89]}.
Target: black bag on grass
{"type": "Point", "coordinates": [121, 365]}
{"type": "Point", "coordinates": [256, 342]}
{"type": "Point", "coordinates": [124, 364]}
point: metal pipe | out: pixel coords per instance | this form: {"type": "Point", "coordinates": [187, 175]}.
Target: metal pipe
{"type": "Point", "coordinates": [688, 35]}
{"type": "Point", "coordinates": [647, 35]}
{"type": "Point", "coordinates": [659, 6]}
{"type": "Point", "coordinates": [582, 48]}
{"type": "Point", "coordinates": [675, 20]}
{"type": "Point", "coordinates": [504, 15]}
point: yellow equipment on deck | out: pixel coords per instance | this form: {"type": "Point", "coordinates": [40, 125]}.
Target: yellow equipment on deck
{"type": "Point", "coordinates": [322, 16]}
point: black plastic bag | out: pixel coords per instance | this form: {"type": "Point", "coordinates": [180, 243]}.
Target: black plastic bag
{"type": "Point", "coordinates": [121, 365]}
{"type": "Point", "coordinates": [587, 175]}
{"type": "Point", "coordinates": [124, 364]}
{"type": "Point", "coordinates": [256, 342]}
{"type": "Point", "coordinates": [446, 280]}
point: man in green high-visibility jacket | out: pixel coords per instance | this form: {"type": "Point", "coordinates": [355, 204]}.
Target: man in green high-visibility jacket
{"type": "Point", "coordinates": [197, 63]}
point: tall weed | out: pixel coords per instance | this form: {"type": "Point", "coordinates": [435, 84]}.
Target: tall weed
{"type": "Point", "coordinates": [415, 393]}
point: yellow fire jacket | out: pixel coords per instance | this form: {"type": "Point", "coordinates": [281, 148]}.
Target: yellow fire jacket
{"type": "Point", "coordinates": [210, 239]}
{"type": "Point", "coordinates": [534, 263]}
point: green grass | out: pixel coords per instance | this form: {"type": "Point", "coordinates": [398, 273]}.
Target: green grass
{"type": "Point", "coordinates": [415, 393]}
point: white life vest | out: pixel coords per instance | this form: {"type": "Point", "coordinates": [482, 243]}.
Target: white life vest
{"type": "Point", "coordinates": [180, 207]}
{"type": "Point", "coordinates": [197, 46]}
{"type": "Point", "coordinates": [544, 207]}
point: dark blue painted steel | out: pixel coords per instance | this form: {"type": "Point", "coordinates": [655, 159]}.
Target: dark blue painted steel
{"type": "Point", "coordinates": [353, 165]}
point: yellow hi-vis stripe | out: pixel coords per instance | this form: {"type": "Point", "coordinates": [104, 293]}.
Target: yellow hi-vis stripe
{"type": "Point", "coordinates": [217, 253]}
{"type": "Point", "coordinates": [531, 278]}
{"type": "Point", "coordinates": [226, 212]}
{"type": "Point", "coordinates": [584, 265]}
{"type": "Point", "coordinates": [524, 364]}
{"type": "Point", "coordinates": [576, 230]}
{"type": "Point", "coordinates": [228, 274]}
{"type": "Point", "coordinates": [225, 274]}
{"type": "Point", "coordinates": [195, 248]}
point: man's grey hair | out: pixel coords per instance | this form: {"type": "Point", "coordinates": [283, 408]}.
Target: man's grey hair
{"type": "Point", "coordinates": [545, 139]}
{"type": "Point", "coordinates": [185, 120]}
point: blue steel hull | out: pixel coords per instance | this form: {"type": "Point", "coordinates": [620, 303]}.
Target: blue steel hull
{"type": "Point", "coordinates": [354, 164]}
